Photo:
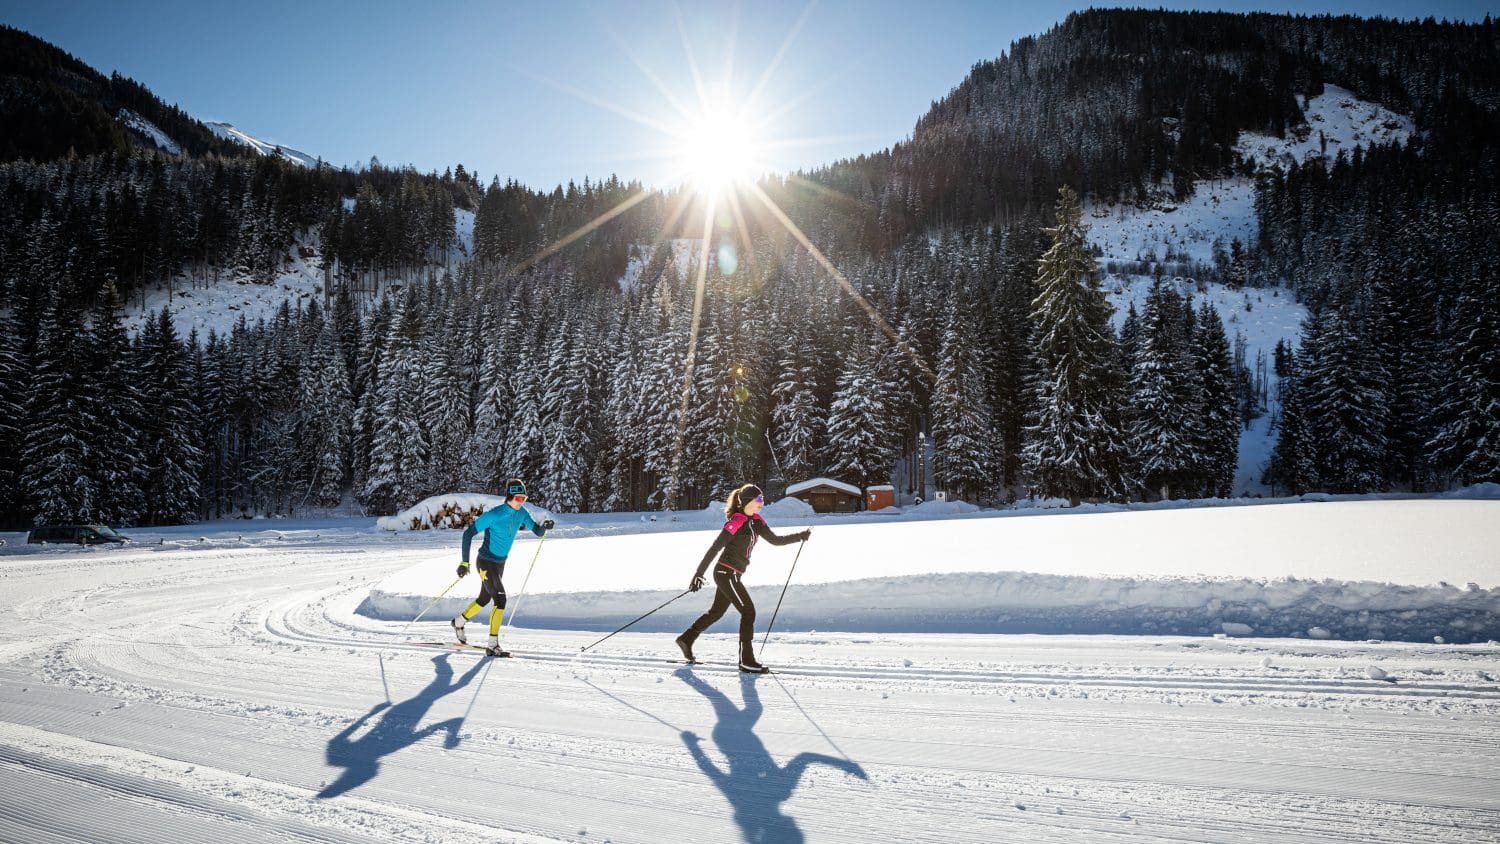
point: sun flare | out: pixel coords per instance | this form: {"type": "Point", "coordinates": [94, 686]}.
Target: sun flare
{"type": "Point", "coordinates": [719, 151]}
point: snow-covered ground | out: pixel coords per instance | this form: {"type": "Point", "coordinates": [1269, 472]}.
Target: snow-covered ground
{"type": "Point", "coordinates": [150, 131]}
{"type": "Point", "coordinates": [1182, 235]}
{"type": "Point", "coordinates": [233, 133]}
{"type": "Point", "coordinates": [220, 682]}
{"type": "Point", "coordinates": [218, 305]}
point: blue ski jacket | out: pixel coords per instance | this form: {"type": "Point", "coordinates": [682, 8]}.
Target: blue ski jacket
{"type": "Point", "coordinates": [500, 526]}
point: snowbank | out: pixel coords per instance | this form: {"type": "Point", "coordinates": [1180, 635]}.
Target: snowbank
{"type": "Point", "coordinates": [1026, 602]}
{"type": "Point", "coordinates": [1357, 570]}
{"type": "Point", "coordinates": [1481, 492]}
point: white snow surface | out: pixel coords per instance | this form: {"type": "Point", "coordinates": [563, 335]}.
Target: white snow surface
{"type": "Point", "coordinates": [217, 304]}
{"type": "Point", "coordinates": [233, 133]}
{"type": "Point", "coordinates": [150, 130]}
{"type": "Point", "coordinates": [463, 228]}
{"type": "Point", "coordinates": [217, 682]}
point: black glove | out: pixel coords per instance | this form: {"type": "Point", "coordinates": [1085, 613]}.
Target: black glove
{"type": "Point", "coordinates": [805, 535]}
{"type": "Point", "coordinates": [696, 584]}
{"type": "Point", "coordinates": [547, 524]}
{"type": "Point", "coordinates": [463, 568]}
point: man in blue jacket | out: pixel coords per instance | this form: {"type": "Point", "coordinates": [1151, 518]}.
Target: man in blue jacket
{"type": "Point", "coordinates": [499, 526]}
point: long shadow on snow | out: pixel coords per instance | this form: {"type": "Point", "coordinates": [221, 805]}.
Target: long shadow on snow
{"type": "Point", "coordinates": [397, 728]}
{"type": "Point", "coordinates": [754, 785]}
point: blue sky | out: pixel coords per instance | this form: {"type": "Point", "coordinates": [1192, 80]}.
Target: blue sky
{"type": "Point", "coordinates": [546, 92]}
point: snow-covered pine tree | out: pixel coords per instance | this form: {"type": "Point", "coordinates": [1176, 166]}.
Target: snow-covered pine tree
{"type": "Point", "coordinates": [1293, 465]}
{"type": "Point", "coordinates": [327, 409]}
{"type": "Point", "coordinates": [120, 412]}
{"type": "Point", "coordinates": [1219, 422]}
{"type": "Point", "coordinates": [523, 443]}
{"type": "Point", "coordinates": [859, 440]}
{"type": "Point", "coordinates": [12, 416]}
{"type": "Point", "coordinates": [1345, 402]}
{"type": "Point", "coordinates": [1163, 407]}
{"type": "Point", "coordinates": [398, 448]}
{"type": "Point", "coordinates": [796, 419]}
{"type": "Point", "coordinates": [1467, 443]}
{"type": "Point", "coordinates": [58, 439]}
{"type": "Point", "coordinates": [445, 412]}
{"type": "Point", "coordinates": [1073, 444]}
{"type": "Point", "coordinates": [965, 446]}
{"type": "Point", "coordinates": [485, 465]}
{"type": "Point", "coordinates": [172, 453]}
{"type": "Point", "coordinates": [564, 412]}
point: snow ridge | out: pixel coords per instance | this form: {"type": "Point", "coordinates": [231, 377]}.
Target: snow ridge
{"type": "Point", "coordinates": [229, 131]}
{"type": "Point", "coordinates": [144, 127]}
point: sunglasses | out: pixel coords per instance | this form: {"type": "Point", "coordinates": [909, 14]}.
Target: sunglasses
{"type": "Point", "coordinates": [760, 499]}
{"type": "Point", "coordinates": [519, 497]}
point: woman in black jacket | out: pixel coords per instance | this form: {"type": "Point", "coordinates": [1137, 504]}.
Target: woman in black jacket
{"type": "Point", "coordinates": [733, 546]}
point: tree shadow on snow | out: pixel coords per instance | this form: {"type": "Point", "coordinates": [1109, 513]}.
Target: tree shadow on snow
{"type": "Point", "coordinates": [754, 785]}
{"type": "Point", "coordinates": [397, 728]}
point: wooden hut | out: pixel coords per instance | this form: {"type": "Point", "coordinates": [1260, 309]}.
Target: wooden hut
{"type": "Point", "coordinates": [827, 495]}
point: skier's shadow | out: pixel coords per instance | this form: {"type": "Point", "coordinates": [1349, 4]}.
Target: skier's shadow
{"type": "Point", "coordinates": [397, 728]}
{"type": "Point", "coordinates": [754, 785]}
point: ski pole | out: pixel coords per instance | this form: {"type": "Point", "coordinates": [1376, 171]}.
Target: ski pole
{"type": "Point", "coordinates": [586, 647]}
{"type": "Point", "coordinates": [783, 595]}
{"type": "Point", "coordinates": [511, 621]}
{"type": "Point", "coordinates": [429, 606]}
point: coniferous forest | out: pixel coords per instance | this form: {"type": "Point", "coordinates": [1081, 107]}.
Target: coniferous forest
{"type": "Point", "coordinates": [560, 357]}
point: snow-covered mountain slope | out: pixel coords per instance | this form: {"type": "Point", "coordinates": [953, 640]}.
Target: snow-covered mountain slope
{"type": "Point", "coordinates": [148, 130]}
{"type": "Point", "coordinates": [226, 130]}
{"type": "Point", "coordinates": [217, 304]}
{"type": "Point", "coordinates": [1183, 237]}
{"type": "Point", "coordinates": [222, 686]}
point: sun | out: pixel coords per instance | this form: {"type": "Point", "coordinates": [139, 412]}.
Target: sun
{"type": "Point", "coordinates": [719, 150]}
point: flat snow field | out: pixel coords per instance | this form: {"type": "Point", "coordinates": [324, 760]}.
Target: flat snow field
{"type": "Point", "coordinates": [230, 688]}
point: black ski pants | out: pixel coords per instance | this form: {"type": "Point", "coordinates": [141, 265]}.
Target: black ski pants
{"type": "Point", "coordinates": [730, 592]}
{"type": "Point", "coordinates": [490, 587]}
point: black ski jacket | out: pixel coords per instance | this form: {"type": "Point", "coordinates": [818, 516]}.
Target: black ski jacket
{"type": "Point", "coordinates": [735, 542]}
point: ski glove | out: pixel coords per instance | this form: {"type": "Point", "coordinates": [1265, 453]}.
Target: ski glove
{"type": "Point", "coordinates": [805, 535]}
{"type": "Point", "coordinates": [547, 525]}
{"type": "Point", "coordinates": [696, 584]}
{"type": "Point", "coordinates": [463, 568]}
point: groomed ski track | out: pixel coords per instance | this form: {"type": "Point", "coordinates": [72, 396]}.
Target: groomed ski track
{"type": "Point", "coordinates": [235, 695]}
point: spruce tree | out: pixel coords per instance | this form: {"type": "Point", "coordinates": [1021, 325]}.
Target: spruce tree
{"type": "Point", "coordinates": [965, 446]}
{"type": "Point", "coordinates": [13, 391]}
{"type": "Point", "coordinates": [1073, 442]}
{"type": "Point", "coordinates": [1346, 404]}
{"type": "Point", "coordinates": [57, 448]}
{"type": "Point", "coordinates": [1219, 426]}
{"type": "Point", "coordinates": [119, 409]}
{"type": "Point", "coordinates": [172, 454]}
{"type": "Point", "coordinates": [858, 421]}
{"type": "Point", "coordinates": [1467, 443]}
{"type": "Point", "coordinates": [1164, 401]}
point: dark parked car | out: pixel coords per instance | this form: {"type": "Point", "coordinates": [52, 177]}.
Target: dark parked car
{"type": "Point", "coordinates": [75, 534]}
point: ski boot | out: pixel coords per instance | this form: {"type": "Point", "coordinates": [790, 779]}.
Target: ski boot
{"type": "Point", "coordinates": [687, 649]}
{"type": "Point", "coordinates": [458, 623]}
{"type": "Point", "coordinates": [750, 666]}
{"type": "Point", "coordinates": [494, 648]}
